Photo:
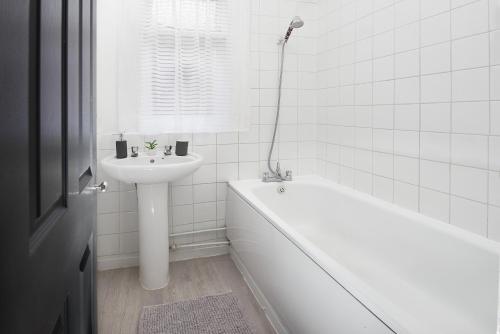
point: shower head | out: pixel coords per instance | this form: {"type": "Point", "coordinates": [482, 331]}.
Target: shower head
{"type": "Point", "coordinates": [294, 24]}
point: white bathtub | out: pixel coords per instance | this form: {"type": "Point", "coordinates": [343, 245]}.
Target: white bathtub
{"type": "Point", "coordinates": [323, 258]}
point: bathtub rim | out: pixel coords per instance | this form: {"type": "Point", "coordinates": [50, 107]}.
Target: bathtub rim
{"type": "Point", "coordinates": [244, 188]}
{"type": "Point", "coordinates": [353, 285]}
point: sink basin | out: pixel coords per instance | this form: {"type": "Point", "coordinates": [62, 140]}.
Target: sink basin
{"type": "Point", "coordinates": [151, 174]}
{"type": "Point", "coordinates": [151, 169]}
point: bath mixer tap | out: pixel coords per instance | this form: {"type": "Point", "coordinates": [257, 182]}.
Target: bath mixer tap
{"type": "Point", "coordinates": [277, 176]}
{"type": "Point", "coordinates": [278, 169]}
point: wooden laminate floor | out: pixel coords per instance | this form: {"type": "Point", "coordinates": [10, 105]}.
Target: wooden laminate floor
{"type": "Point", "coordinates": [120, 296]}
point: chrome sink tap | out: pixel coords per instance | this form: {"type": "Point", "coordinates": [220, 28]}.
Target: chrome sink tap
{"type": "Point", "coordinates": [168, 150]}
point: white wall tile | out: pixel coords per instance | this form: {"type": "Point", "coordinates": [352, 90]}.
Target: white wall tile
{"type": "Point", "coordinates": [182, 214]}
{"type": "Point", "coordinates": [470, 52]}
{"type": "Point", "coordinates": [435, 146]}
{"type": "Point", "coordinates": [383, 20]}
{"type": "Point", "coordinates": [433, 7]}
{"type": "Point", "coordinates": [469, 182]}
{"type": "Point", "coordinates": [470, 85]}
{"type": "Point", "coordinates": [406, 11]}
{"type": "Point", "coordinates": [205, 174]}
{"type": "Point", "coordinates": [204, 192]}
{"type": "Point", "coordinates": [363, 181]}
{"type": "Point", "coordinates": [128, 201]}
{"type": "Point", "coordinates": [228, 137]}
{"type": "Point", "coordinates": [108, 223]}
{"type": "Point", "coordinates": [469, 150]}
{"type": "Point", "coordinates": [435, 29]}
{"type": "Point", "coordinates": [469, 20]}
{"type": "Point", "coordinates": [129, 242]}
{"type": "Point", "coordinates": [205, 211]}
{"type": "Point", "coordinates": [435, 58]}
{"type": "Point", "coordinates": [108, 202]}
{"type": "Point", "coordinates": [347, 156]}
{"type": "Point", "coordinates": [363, 160]}
{"type": "Point", "coordinates": [406, 169]}
{"type": "Point", "coordinates": [435, 204]}
{"type": "Point", "coordinates": [108, 244]}
{"type": "Point", "coordinates": [407, 117]}
{"type": "Point", "coordinates": [383, 92]}
{"type": "Point", "coordinates": [182, 195]}
{"type": "Point", "coordinates": [383, 140]}
{"type": "Point", "coordinates": [383, 164]}
{"type": "Point", "coordinates": [363, 71]}
{"type": "Point", "coordinates": [471, 117]}
{"type": "Point", "coordinates": [383, 188]}
{"type": "Point", "coordinates": [383, 117]}
{"type": "Point", "coordinates": [436, 87]}
{"type": "Point", "coordinates": [347, 176]}
{"type": "Point", "coordinates": [227, 153]}
{"type": "Point", "coordinates": [407, 90]}
{"type": "Point", "coordinates": [204, 138]}
{"type": "Point", "coordinates": [208, 152]}
{"type": "Point", "coordinates": [129, 222]}
{"type": "Point", "coordinates": [435, 117]}
{"type": "Point", "coordinates": [406, 195]}
{"type": "Point", "coordinates": [407, 64]}
{"type": "Point", "coordinates": [249, 170]}
{"type": "Point", "coordinates": [406, 143]}
{"type": "Point", "coordinates": [407, 37]}
{"type": "Point", "coordinates": [227, 172]}
{"type": "Point", "coordinates": [469, 215]}
{"type": "Point", "coordinates": [435, 175]}
{"type": "Point", "coordinates": [383, 68]}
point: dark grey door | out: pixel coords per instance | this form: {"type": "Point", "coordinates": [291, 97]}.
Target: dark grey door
{"type": "Point", "coordinates": [47, 162]}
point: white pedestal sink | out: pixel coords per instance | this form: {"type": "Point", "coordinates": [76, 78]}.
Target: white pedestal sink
{"type": "Point", "coordinates": [151, 175]}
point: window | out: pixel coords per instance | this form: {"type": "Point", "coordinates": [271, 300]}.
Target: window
{"type": "Point", "coordinates": [193, 65]}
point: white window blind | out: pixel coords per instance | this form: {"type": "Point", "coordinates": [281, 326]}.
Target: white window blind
{"type": "Point", "coordinates": [193, 66]}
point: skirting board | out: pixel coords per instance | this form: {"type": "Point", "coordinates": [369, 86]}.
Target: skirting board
{"type": "Point", "coordinates": [110, 262]}
{"type": "Point", "coordinates": [259, 296]}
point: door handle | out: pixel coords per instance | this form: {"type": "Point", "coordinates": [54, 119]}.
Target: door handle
{"type": "Point", "coordinates": [102, 187]}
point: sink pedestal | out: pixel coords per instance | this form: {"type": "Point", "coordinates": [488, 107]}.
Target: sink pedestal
{"type": "Point", "coordinates": [153, 235]}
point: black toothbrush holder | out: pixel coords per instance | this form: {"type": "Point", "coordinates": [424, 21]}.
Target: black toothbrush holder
{"type": "Point", "coordinates": [181, 148]}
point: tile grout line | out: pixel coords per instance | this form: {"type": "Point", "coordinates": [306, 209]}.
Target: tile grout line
{"type": "Point", "coordinates": [394, 105]}
{"type": "Point", "coordinates": [450, 144]}
{"type": "Point", "coordinates": [419, 199]}
{"type": "Point", "coordinates": [489, 123]}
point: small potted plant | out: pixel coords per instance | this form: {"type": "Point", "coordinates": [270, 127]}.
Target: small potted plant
{"type": "Point", "coordinates": [151, 147]}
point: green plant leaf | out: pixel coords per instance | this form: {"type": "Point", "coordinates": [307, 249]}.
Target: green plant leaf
{"type": "Point", "coordinates": [151, 145]}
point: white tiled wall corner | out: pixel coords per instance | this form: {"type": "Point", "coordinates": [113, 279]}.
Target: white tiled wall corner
{"type": "Point", "coordinates": [198, 201]}
{"type": "Point", "coordinates": [417, 83]}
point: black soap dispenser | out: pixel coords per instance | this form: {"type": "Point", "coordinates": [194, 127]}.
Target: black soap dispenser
{"type": "Point", "coordinates": [121, 148]}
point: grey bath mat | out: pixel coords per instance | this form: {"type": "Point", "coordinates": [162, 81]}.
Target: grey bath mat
{"type": "Point", "coordinates": [207, 315]}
